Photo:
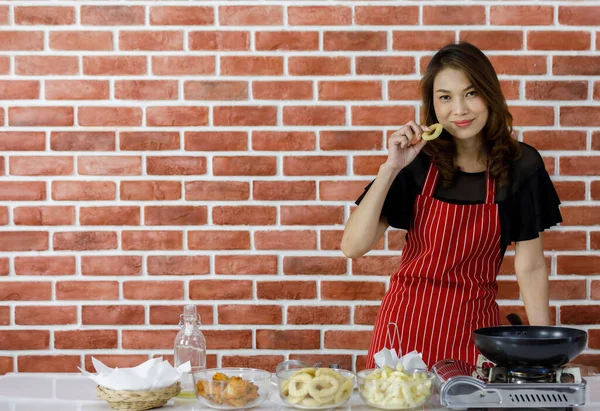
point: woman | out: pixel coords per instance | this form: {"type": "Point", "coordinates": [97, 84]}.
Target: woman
{"type": "Point", "coordinates": [463, 198]}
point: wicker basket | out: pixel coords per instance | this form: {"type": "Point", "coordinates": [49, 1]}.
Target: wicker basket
{"type": "Point", "coordinates": [138, 400]}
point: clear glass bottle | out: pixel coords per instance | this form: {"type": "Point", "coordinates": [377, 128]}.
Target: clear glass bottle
{"type": "Point", "coordinates": [190, 345]}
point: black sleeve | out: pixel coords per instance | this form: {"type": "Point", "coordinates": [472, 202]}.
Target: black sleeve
{"type": "Point", "coordinates": [535, 206]}
{"type": "Point", "coordinates": [398, 204]}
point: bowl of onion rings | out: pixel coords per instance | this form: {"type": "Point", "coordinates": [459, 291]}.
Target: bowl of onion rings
{"type": "Point", "coordinates": [315, 388]}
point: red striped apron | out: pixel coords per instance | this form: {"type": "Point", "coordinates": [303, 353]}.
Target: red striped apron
{"type": "Point", "coordinates": [446, 285]}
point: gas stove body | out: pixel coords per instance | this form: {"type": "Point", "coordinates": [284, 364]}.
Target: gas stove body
{"type": "Point", "coordinates": [463, 386]}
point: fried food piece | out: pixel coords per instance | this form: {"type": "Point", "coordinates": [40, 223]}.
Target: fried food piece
{"type": "Point", "coordinates": [436, 130]}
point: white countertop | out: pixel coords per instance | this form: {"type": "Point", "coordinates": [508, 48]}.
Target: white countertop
{"type": "Point", "coordinates": [74, 392]}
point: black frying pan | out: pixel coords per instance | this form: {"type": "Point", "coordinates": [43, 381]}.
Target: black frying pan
{"type": "Point", "coordinates": [528, 345]}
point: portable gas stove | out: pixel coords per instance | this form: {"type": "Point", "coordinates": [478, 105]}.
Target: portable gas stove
{"type": "Point", "coordinates": [463, 386]}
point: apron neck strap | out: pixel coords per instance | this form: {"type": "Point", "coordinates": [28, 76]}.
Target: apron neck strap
{"type": "Point", "coordinates": [433, 175]}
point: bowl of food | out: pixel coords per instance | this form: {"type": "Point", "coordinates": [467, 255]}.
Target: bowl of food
{"type": "Point", "coordinates": [395, 389]}
{"type": "Point", "coordinates": [231, 388]}
{"type": "Point", "coordinates": [315, 388]}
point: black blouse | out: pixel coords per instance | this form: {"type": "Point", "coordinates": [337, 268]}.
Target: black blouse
{"type": "Point", "coordinates": [528, 204]}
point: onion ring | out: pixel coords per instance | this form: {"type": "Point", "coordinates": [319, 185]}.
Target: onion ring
{"type": "Point", "coordinates": [436, 130]}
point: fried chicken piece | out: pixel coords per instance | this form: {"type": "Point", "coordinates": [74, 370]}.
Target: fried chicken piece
{"type": "Point", "coordinates": [220, 377]}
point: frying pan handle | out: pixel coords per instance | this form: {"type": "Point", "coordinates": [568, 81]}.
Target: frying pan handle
{"type": "Point", "coordinates": [514, 319]}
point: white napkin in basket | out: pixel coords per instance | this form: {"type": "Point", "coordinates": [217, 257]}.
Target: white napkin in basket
{"type": "Point", "coordinates": [153, 374]}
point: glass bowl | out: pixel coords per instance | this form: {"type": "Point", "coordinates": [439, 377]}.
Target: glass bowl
{"type": "Point", "coordinates": [315, 388]}
{"type": "Point", "coordinates": [390, 389]}
{"type": "Point", "coordinates": [231, 388]}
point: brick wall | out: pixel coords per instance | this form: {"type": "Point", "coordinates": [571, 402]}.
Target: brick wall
{"type": "Point", "coordinates": [156, 153]}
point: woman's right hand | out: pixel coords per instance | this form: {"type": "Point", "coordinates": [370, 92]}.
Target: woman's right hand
{"type": "Point", "coordinates": [401, 151]}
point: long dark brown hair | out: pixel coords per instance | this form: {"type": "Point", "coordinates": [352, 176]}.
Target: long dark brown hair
{"type": "Point", "coordinates": [497, 134]}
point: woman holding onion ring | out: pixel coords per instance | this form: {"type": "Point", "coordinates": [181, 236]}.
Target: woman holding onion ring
{"type": "Point", "coordinates": [463, 198]}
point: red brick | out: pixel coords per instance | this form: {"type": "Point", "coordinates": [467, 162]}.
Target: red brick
{"type": "Point", "coordinates": [111, 265]}
{"type": "Point", "coordinates": [219, 240]}
{"type": "Point", "coordinates": [216, 90]}
{"type": "Point", "coordinates": [494, 39]}
{"type": "Point", "coordinates": [178, 265]}
{"type": "Point", "coordinates": [381, 116]}
{"type": "Point", "coordinates": [152, 240]}
{"type": "Point", "coordinates": [5, 69]}
{"type": "Point", "coordinates": [83, 190]}
{"type": "Point", "coordinates": [244, 215]}
{"type": "Point", "coordinates": [314, 165]}
{"type": "Point", "coordinates": [358, 340]}
{"type": "Point", "coordinates": [367, 165]}
{"type": "Point", "coordinates": [375, 265]}
{"type": "Point", "coordinates": [280, 190]}
{"type": "Point", "coordinates": [46, 215]}
{"type": "Point", "coordinates": [311, 215]}
{"type": "Point", "coordinates": [350, 90]}
{"type": "Point", "coordinates": [285, 240]}
{"type": "Point", "coordinates": [180, 165]}
{"type": "Point", "coordinates": [351, 140]}
{"type": "Point", "coordinates": [82, 141]}
{"type": "Point", "coordinates": [331, 239]}
{"type": "Point", "coordinates": [40, 165]}
{"type": "Point", "coordinates": [282, 90]}
{"type": "Point", "coordinates": [532, 116]}
{"type": "Point", "coordinates": [228, 339]}
{"type": "Point", "coordinates": [150, 190]}
{"type": "Point", "coordinates": [170, 314]}
{"type": "Point", "coordinates": [318, 66]}
{"type": "Point", "coordinates": [176, 116]}
{"type": "Point", "coordinates": [318, 315]}
{"type": "Point", "coordinates": [183, 65]}
{"type": "Point", "coordinates": [387, 65]}
{"type": "Point", "coordinates": [22, 141]}
{"type": "Point", "coordinates": [595, 290]}
{"type": "Point", "coordinates": [286, 290]}
{"type": "Point", "coordinates": [26, 291]}
{"type": "Point", "coordinates": [283, 140]}
{"type": "Point", "coordinates": [22, 40]}
{"type": "Point", "coordinates": [24, 340]}
{"type": "Point", "coordinates": [81, 40]}
{"type": "Point", "coordinates": [556, 139]}
{"type": "Point", "coordinates": [521, 15]}
{"type": "Point", "coordinates": [366, 314]}
{"type": "Point", "coordinates": [19, 90]}
{"type": "Point", "coordinates": [288, 339]}
{"type": "Point", "coordinates": [112, 15]}
{"type": "Point", "coordinates": [85, 240]}
{"type": "Point", "coordinates": [112, 315]}
{"type": "Point", "coordinates": [87, 290]}
{"type": "Point", "coordinates": [44, 15]}
{"type": "Point", "coordinates": [588, 166]}
{"type": "Point", "coordinates": [251, 65]}
{"type": "Point", "coordinates": [319, 16]}
{"type": "Point", "coordinates": [576, 65]}
{"type": "Point", "coordinates": [244, 166]}
{"type": "Point", "coordinates": [245, 116]}
{"type": "Point", "coordinates": [352, 290]}
{"type": "Point", "coordinates": [49, 363]}
{"type": "Point", "coordinates": [556, 90]}
{"type": "Point", "coordinates": [24, 241]}
{"type": "Point", "coordinates": [109, 216]}
{"type": "Point", "coordinates": [567, 290]}
{"type": "Point", "coordinates": [314, 265]}
{"type": "Point", "coordinates": [249, 314]}
{"type": "Point", "coordinates": [340, 190]}
{"type": "Point", "coordinates": [261, 362]}
{"type": "Point", "coordinates": [246, 264]}
{"type": "Point", "coordinates": [45, 66]}
{"type": "Point", "coordinates": [181, 16]}
{"type": "Point", "coordinates": [219, 40]}
{"type": "Point", "coordinates": [343, 360]}
{"type": "Point", "coordinates": [149, 141]}
{"type": "Point", "coordinates": [453, 15]}
{"type": "Point", "coordinates": [558, 40]}
{"type": "Point", "coordinates": [564, 240]}
{"type": "Point", "coordinates": [40, 116]}
{"type": "Point", "coordinates": [216, 141]}
{"type": "Point", "coordinates": [109, 165]}
{"type": "Point", "coordinates": [5, 316]}
{"type": "Point", "coordinates": [151, 40]}
{"type": "Point", "coordinates": [109, 116]}
{"type": "Point", "coordinates": [118, 360]}
{"type": "Point", "coordinates": [578, 264]}
{"type": "Point", "coordinates": [45, 265]}
{"type": "Point", "coordinates": [519, 64]}
{"type": "Point", "coordinates": [287, 40]}
{"type": "Point", "coordinates": [221, 290]}
{"type": "Point", "coordinates": [354, 40]}
{"type": "Point", "coordinates": [153, 290]}
{"type": "Point", "coordinates": [386, 15]}
{"type": "Point", "coordinates": [421, 40]}
{"type": "Point", "coordinates": [250, 15]}
{"type": "Point", "coordinates": [578, 16]}
{"type": "Point", "coordinates": [579, 314]}
{"type": "Point", "coordinates": [114, 65]}
{"type": "Point", "coordinates": [146, 90]}
{"type": "Point", "coordinates": [85, 339]}
{"type": "Point", "coordinates": [44, 315]}
{"type": "Point", "coordinates": [404, 90]}
{"type": "Point", "coordinates": [217, 190]}
{"type": "Point", "coordinates": [22, 190]}
{"type": "Point", "coordinates": [175, 215]}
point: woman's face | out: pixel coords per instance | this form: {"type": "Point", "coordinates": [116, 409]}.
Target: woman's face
{"type": "Point", "coordinates": [458, 107]}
